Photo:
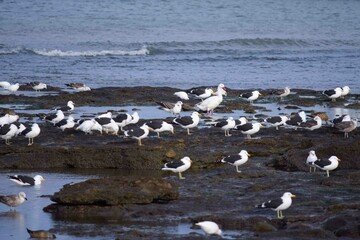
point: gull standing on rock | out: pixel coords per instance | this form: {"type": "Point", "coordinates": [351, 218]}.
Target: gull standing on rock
{"type": "Point", "coordinates": [37, 86]}
{"type": "Point", "coordinates": [182, 95]}
{"type": "Point", "coordinates": [276, 121]}
{"type": "Point", "coordinates": [66, 123]}
{"type": "Point", "coordinates": [13, 200]}
{"type": "Point", "coordinates": [328, 164]}
{"type": "Point", "coordinates": [201, 93]}
{"type": "Point", "coordinates": [69, 107]}
{"type": "Point", "coordinates": [55, 118]}
{"type": "Point", "coordinates": [283, 93]}
{"type": "Point", "coordinates": [278, 204]}
{"type": "Point", "coordinates": [311, 159]}
{"type": "Point", "coordinates": [31, 132]}
{"type": "Point", "coordinates": [237, 159]}
{"type": "Point", "coordinates": [345, 91]}
{"type": "Point", "coordinates": [88, 126]}
{"type": "Point", "coordinates": [81, 87]}
{"type": "Point", "coordinates": [159, 126]}
{"type": "Point", "coordinates": [7, 132]}
{"type": "Point", "coordinates": [213, 102]}
{"type": "Point", "coordinates": [249, 129]}
{"type": "Point", "coordinates": [178, 166]}
{"type": "Point", "coordinates": [138, 132]}
{"type": "Point", "coordinates": [346, 126]}
{"type": "Point", "coordinates": [188, 122]}
{"type": "Point", "coordinates": [226, 125]}
{"type": "Point", "coordinates": [312, 124]}
{"type": "Point", "coordinates": [333, 94]}
{"type": "Point", "coordinates": [251, 96]}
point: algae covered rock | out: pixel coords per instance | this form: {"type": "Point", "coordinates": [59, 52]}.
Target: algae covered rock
{"type": "Point", "coordinates": [116, 191]}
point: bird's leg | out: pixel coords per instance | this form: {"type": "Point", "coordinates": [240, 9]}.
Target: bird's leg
{"type": "Point", "coordinates": [248, 136]}
{"type": "Point", "coordinates": [158, 134]}
{"type": "Point", "coordinates": [180, 176]}
{"type": "Point", "coordinates": [188, 131]}
{"type": "Point", "coordinates": [314, 169]}
{"type": "Point", "coordinates": [139, 141]}
{"type": "Point", "coordinates": [29, 142]}
{"type": "Point", "coordinates": [7, 141]}
{"type": "Point", "coordinates": [237, 169]}
{"type": "Point", "coordinates": [327, 173]}
{"type": "Point", "coordinates": [281, 215]}
{"type": "Point", "coordinates": [277, 213]}
{"type": "Point", "coordinates": [310, 168]}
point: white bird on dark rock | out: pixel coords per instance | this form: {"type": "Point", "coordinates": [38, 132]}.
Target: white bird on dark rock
{"type": "Point", "coordinates": [11, 87]}
{"type": "Point", "coordinates": [226, 125]}
{"type": "Point", "coordinates": [237, 159]}
{"type": "Point", "coordinates": [209, 227]}
{"type": "Point", "coordinates": [249, 129]}
{"type": "Point", "coordinates": [333, 94]}
{"type": "Point", "coordinates": [13, 200]}
{"type": "Point", "coordinates": [327, 164]}
{"type": "Point", "coordinates": [108, 125]}
{"type": "Point", "coordinates": [201, 93]}
{"type": "Point", "coordinates": [296, 119]}
{"type": "Point", "coordinates": [31, 132]}
{"type": "Point", "coordinates": [26, 180]}
{"type": "Point", "coordinates": [276, 121]}
{"type": "Point", "coordinates": [88, 126]}
{"type": "Point", "coordinates": [251, 96]}
{"type": "Point", "coordinates": [37, 86]}
{"type": "Point", "coordinates": [345, 91]}
{"type": "Point", "coordinates": [122, 119]}
{"type": "Point", "coordinates": [188, 122]}
{"type": "Point", "coordinates": [138, 133]}
{"type": "Point", "coordinates": [8, 119]}
{"type": "Point", "coordinates": [278, 204]}
{"type": "Point", "coordinates": [7, 132]}
{"type": "Point", "coordinates": [66, 123]}
{"type": "Point", "coordinates": [159, 126]}
{"type": "Point", "coordinates": [69, 107]}
{"type": "Point", "coordinates": [55, 118]}
{"type": "Point", "coordinates": [178, 166]}
{"type": "Point", "coordinates": [212, 102]}
{"type": "Point", "coordinates": [311, 159]}
{"type": "Point", "coordinates": [312, 124]}
{"type": "Point", "coordinates": [282, 93]}
{"type": "Point", "coordinates": [182, 95]}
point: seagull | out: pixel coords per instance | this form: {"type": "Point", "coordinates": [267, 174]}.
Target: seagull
{"type": "Point", "coordinates": [276, 121]}
{"type": "Point", "coordinates": [327, 164]}
{"type": "Point", "coordinates": [174, 108]}
{"type": "Point", "coordinates": [159, 126]}
{"type": "Point", "coordinates": [226, 125]}
{"type": "Point", "coordinates": [345, 91]}
{"type": "Point", "coordinates": [346, 127]}
{"type": "Point", "coordinates": [122, 119]}
{"type": "Point", "coordinates": [296, 119]}
{"type": "Point", "coordinates": [66, 123]}
{"type": "Point", "coordinates": [55, 118]}
{"type": "Point", "coordinates": [138, 133]}
{"type": "Point", "coordinates": [237, 159]}
{"type": "Point", "coordinates": [240, 121]}
{"type": "Point", "coordinates": [251, 96]}
{"type": "Point", "coordinates": [201, 93]}
{"type": "Point", "coordinates": [81, 87]}
{"type": "Point", "coordinates": [278, 204]}
{"type": "Point", "coordinates": [88, 126]}
{"type": "Point", "coordinates": [178, 166]}
{"type": "Point", "coordinates": [311, 159]}
{"type": "Point", "coordinates": [26, 180]}
{"type": "Point", "coordinates": [21, 127]}
{"type": "Point", "coordinates": [342, 118]}
{"type": "Point", "coordinates": [333, 93]}
{"type": "Point", "coordinates": [249, 128]}
{"type": "Point", "coordinates": [8, 119]}
{"type": "Point", "coordinates": [40, 234]}
{"type": "Point", "coordinates": [283, 93]}
{"type": "Point", "coordinates": [134, 118]}
{"type": "Point", "coordinates": [213, 102]}
{"type": "Point", "coordinates": [7, 132]}
{"type": "Point", "coordinates": [313, 124]}
{"type": "Point", "coordinates": [188, 122]}
{"type": "Point", "coordinates": [13, 200]}
{"type": "Point", "coordinates": [181, 94]}
{"type": "Point", "coordinates": [10, 87]}
{"type": "Point", "coordinates": [108, 125]}
{"type": "Point", "coordinates": [209, 227]}
{"type": "Point", "coordinates": [69, 107]}
{"type": "Point", "coordinates": [37, 86]}
{"type": "Point", "coordinates": [31, 132]}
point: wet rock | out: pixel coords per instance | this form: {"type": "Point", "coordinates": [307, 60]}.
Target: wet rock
{"type": "Point", "coordinates": [343, 226]}
{"type": "Point", "coordinates": [116, 191]}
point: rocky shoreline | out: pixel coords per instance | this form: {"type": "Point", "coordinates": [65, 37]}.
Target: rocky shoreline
{"type": "Point", "coordinates": [324, 207]}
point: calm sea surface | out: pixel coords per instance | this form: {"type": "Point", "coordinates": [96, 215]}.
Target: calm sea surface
{"type": "Point", "coordinates": [242, 43]}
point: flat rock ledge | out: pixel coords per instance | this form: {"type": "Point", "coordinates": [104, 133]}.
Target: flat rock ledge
{"type": "Point", "coordinates": [114, 191]}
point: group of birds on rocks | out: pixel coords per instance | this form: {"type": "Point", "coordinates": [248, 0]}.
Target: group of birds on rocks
{"type": "Point", "coordinates": [38, 86]}
{"type": "Point", "coordinates": [210, 100]}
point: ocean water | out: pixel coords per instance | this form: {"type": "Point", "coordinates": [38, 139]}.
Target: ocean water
{"type": "Point", "coordinates": [242, 43]}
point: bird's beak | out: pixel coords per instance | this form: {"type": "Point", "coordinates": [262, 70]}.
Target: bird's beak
{"type": "Point", "coordinates": [339, 160]}
{"type": "Point", "coordinates": [43, 179]}
{"type": "Point", "coordinates": [262, 126]}
{"type": "Point", "coordinates": [25, 199]}
{"type": "Point", "coordinates": [199, 114]}
{"type": "Point", "coordinates": [173, 132]}
{"type": "Point", "coordinates": [292, 195]}
{"type": "Point", "coordinates": [260, 94]}
{"type": "Point", "coordinates": [191, 161]}
{"type": "Point", "coordinates": [248, 154]}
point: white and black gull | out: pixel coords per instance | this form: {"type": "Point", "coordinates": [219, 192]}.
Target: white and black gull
{"type": "Point", "coordinates": [211, 103]}
{"type": "Point", "coordinates": [327, 164]}
{"type": "Point", "coordinates": [311, 159]}
{"type": "Point", "coordinates": [333, 94]}
{"type": "Point", "coordinates": [159, 126]}
{"type": "Point", "coordinates": [278, 204]}
{"type": "Point", "coordinates": [225, 125]}
{"type": "Point", "coordinates": [188, 122]}
{"type": "Point", "coordinates": [178, 166]}
{"type": "Point", "coordinates": [31, 132]}
{"type": "Point", "coordinates": [23, 180]}
{"type": "Point", "coordinates": [138, 132]}
{"type": "Point", "coordinates": [237, 159]}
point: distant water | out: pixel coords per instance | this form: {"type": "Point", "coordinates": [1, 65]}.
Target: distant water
{"type": "Point", "coordinates": [244, 44]}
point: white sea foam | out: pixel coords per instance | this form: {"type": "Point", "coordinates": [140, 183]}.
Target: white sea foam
{"type": "Point", "coordinates": [60, 53]}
